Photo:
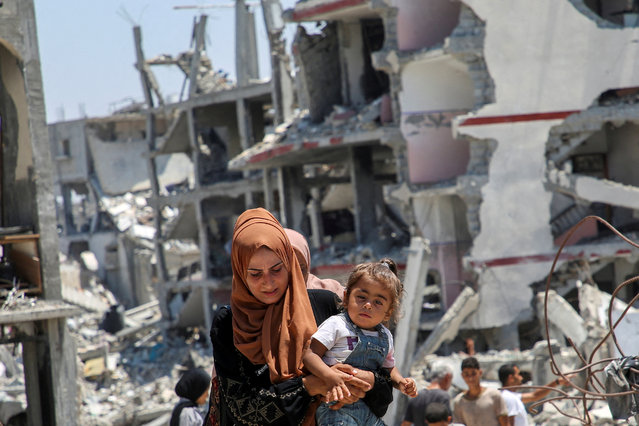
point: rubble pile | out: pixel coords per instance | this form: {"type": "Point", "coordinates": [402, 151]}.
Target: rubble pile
{"type": "Point", "coordinates": [126, 376]}
{"type": "Point", "coordinates": [136, 384]}
{"type": "Point", "coordinates": [342, 120]}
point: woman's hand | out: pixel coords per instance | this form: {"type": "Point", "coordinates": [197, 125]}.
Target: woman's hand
{"type": "Point", "coordinates": [358, 383]}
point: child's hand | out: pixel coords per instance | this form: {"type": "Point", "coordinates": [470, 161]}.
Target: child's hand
{"type": "Point", "coordinates": [338, 390]}
{"type": "Point", "coordinates": [337, 393]}
{"type": "Point", "coordinates": [408, 387]}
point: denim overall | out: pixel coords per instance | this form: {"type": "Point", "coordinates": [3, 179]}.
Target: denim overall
{"type": "Point", "coordinates": [368, 354]}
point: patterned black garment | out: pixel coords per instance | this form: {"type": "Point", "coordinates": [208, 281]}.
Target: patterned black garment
{"type": "Point", "coordinates": [246, 394]}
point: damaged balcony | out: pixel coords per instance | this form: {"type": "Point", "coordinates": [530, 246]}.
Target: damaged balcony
{"type": "Point", "coordinates": [591, 158]}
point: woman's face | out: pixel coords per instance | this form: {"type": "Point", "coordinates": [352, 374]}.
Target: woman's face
{"type": "Point", "coordinates": [266, 276]}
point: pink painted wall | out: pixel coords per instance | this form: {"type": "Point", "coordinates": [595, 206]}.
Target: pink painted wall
{"type": "Point", "coordinates": [433, 154]}
{"type": "Point", "coordinates": [424, 23]}
{"type": "Point", "coordinates": [447, 259]}
{"type": "Point", "coordinates": [588, 229]}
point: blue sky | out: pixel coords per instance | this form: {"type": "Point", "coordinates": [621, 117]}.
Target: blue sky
{"type": "Point", "coordinates": [87, 51]}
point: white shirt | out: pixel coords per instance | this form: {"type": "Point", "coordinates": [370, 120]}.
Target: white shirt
{"type": "Point", "coordinates": [515, 407]}
{"type": "Point", "coordinates": [340, 341]}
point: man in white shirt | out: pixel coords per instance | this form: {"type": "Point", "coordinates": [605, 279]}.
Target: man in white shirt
{"type": "Point", "coordinates": [509, 375]}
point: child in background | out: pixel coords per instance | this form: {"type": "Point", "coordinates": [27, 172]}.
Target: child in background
{"type": "Point", "coordinates": [193, 390]}
{"type": "Point", "coordinates": [357, 337]}
{"type": "Point", "coordinates": [437, 414]}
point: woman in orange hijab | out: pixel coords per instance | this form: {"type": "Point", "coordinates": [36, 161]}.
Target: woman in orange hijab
{"type": "Point", "coordinates": [259, 340]}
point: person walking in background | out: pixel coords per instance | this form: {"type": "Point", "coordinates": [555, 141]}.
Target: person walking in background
{"type": "Point", "coordinates": [193, 390]}
{"type": "Point", "coordinates": [357, 337]}
{"type": "Point", "coordinates": [478, 406]}
{"type": "Point", "coordinates": [437, 414]}
{"type": "Point", "coordinates": [440, 377]}
{"type": "Point", "coordinates": [509, 375]}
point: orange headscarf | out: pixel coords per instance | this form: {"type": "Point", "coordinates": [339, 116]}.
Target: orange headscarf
{"type": "Point", "coordinates": [275, 334]}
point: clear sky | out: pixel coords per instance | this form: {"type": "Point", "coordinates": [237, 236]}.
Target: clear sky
{"type": "Point", "coordinates": [88, 54]}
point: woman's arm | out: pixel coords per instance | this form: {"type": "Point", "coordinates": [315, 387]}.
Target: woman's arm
{"type": "Point", "coordinates": [379, 391]}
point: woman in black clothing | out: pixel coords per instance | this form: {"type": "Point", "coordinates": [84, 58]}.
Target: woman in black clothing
{"type": "Point", "coordinates": [258, 341]}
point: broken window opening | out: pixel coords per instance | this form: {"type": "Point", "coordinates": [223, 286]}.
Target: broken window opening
{"type": "Point", "coordinates": [431, 301]}
{"type": "Point", "coordinates": [65, 148]}
{"type": "Point", "coordinates": [339, 226]}
{"type": "Point", "coordinates": [624, 12]}
{"type": "Point", "coordinates": [619, 96]}
{"type": "Point", "coordinates": [374, 83]}
{"type": "Point", "coordinates": [214, 159]}
{"type": "Point", "coordinates": [75, 210]}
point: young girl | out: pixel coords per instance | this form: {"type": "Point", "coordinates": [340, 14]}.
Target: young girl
{"type": "Point", "coordinates": [357, 337]}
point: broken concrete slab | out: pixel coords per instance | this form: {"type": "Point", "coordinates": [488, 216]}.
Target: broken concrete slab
{"type": "Point", "coordinates": [563, 316]}
{"type": "Point", "coordinates": [447, 327]}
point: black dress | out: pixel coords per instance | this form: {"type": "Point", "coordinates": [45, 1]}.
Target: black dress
{"type": "Point", "coordinates": [246, 394]}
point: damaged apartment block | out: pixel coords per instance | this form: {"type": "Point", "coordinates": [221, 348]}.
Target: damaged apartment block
{"type": "Point", "coordinates": [32, 313]}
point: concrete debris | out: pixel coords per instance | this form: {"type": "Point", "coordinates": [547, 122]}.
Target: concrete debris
{"type": "Point", "coordinates": [563, 316]}
{"type": "Point", "coordinates": [449, 324]}
{"type": "Point", "coordinates": [208, 79]}
{"type": "Point", "coordinates": [301, 127]}
{"type": "Point", "coordinates": [127, 377]}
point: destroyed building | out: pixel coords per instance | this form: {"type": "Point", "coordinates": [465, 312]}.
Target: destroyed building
{"type": "Point", "coordinates": [32, 315]}
{"type": "Point", "coordinates": [465, 147]}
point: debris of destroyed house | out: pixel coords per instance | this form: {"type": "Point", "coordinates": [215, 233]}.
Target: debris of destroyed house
{"type": "Point", "coordinates": [600, 391]}
{"type": "Point", "coordinates": [617, 385]}
{"type": "Point", "coordinates": [342, 119]}
{"type": "Point", "coordinates": [128, 377]}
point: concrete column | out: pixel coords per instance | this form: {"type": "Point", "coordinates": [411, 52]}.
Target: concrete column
{"type": "Point", "coordinates": [314, 211]}
{"type": "Point", "coordinates": [62, 367]}
{"type": "Point", "coordinates": [204, 262]}
{"type": "Point", "coordinates": [152, 171]}
{"type": "Point", "coordinates": [364, 190]}
{"type": "Point", "coordinates": [245, 129]}
{"type": "Point", "coordinates": [125, 286]}
{"type": "Point", "coordinates": [292, 206]}
{"type": "Point", "coordinates": [41, 151]}
{"type": "Point", "coordinates": [268, 189]}
{"type": "Point", "coordinates": [408, 325]}
{"type": "Point", "coordinates": [315, 215]}
{"type": "Point", "coordinates": [50, 372]}
{"type": "Point", "coordinates": [32, 382]}
{"type": "Point", "coordinates": [246, 65]}
{"type": "Point", "coordinates": [280, 64]}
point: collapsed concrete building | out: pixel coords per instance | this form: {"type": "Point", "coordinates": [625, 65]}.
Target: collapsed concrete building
{"type": "Point", "coordinates": [33, 315]}
{"type": "Point", "coordinates": [436, 126]}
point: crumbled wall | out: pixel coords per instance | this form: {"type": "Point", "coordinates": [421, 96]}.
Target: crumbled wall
{"type": "Point", "coordinates": [123, 159]}
{"type": "Point", "coordinates": [546, 65]}
{"type": "Point", "coordinates": [317, 56]}
{"type": "Point", "coordinates": [466, 42]}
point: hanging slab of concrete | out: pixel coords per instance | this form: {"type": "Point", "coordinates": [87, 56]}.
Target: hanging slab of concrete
{"type": "Point", "coordinates": [119, 171]}
{"type": "Point", "coordinates": [563, 316]}
{"type": "Point", "coordinates": [594, 305]}
{"type": "Point", "coordinates": [447, 327]}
